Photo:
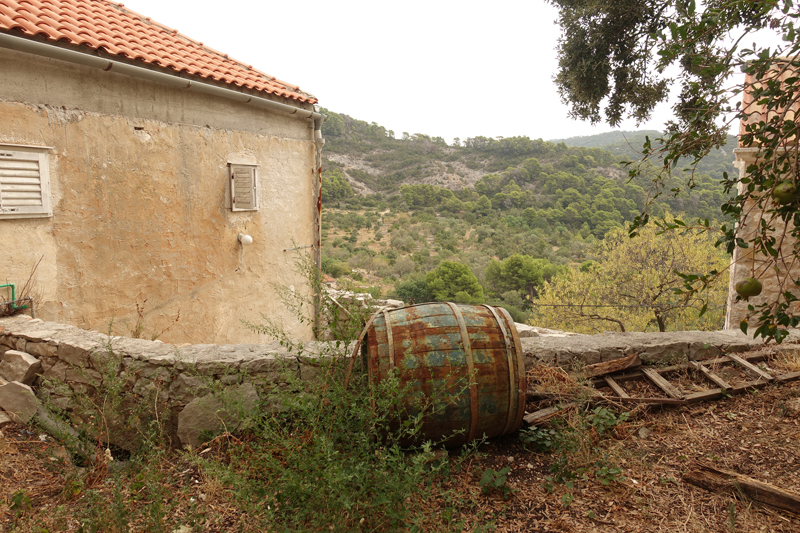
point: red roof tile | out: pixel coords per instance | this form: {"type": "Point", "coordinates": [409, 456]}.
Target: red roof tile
{"type": "Point", "coordinates": [100, 24]}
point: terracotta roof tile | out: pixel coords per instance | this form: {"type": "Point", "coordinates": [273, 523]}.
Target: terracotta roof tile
{"type": "Point", "coordinates": [101, 24]}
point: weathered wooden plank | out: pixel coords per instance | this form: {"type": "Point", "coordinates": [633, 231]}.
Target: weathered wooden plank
{"type": "Point", "coordinates": [637, 374]}
{"type": "Point", "coordinates": [710, 375]}
{"type": "Point", "coordinates": [749, 366]}
{"type": "Point", "coordinates": [616, 387]}
{"type": "Point", "coordinates": [791, 376]}
{"type": "Point", "coordinates": [609, 367]}
{"type": "Point", "coordinates": [655, 401]}
{"type": "Point", "coordinates": [542, 415]}
{"type": "Point", "coordinates": [653, 375]}
{"type": "Point", "coordinates": [715, 394]}
{"type": "Point", "coordinates": [710, 478]}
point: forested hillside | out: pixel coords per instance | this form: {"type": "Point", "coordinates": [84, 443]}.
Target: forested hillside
{"type": "Point", "coordinates": [514, 211]}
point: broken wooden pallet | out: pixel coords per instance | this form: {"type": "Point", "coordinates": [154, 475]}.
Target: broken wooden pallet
{"type": "Point", "coordinates": [674, 394]}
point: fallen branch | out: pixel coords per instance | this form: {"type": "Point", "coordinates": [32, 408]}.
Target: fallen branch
{"type": "Point", "coordinates": [707, 477]}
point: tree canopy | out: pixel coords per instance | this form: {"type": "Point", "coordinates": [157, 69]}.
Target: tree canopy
{"type": "Point", "coordinates": [632, 286]}
{"type": "Point", "coordinates": [623, 54]}
{"type": "Point", "coordinates": [520, 273]}
{"type": "Point", "coordinates": [452, 281]}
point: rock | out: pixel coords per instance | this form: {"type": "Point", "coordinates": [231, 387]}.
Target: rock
{"type": "Point", "coordinates": [20, 366]}
{"type": "Point", "coordinates": [793, 407]}
{"type": "Point", "coordinates": [644, 432]}
{"type": "Point", "coordinates": [4, 419]}
{"type": "Point", "coordinates": [207, 416]}
{"type": "Point", "coordinates": [525, 331]}
{"type": "Point", "coordinates": [186, 388]}
{"type": "Point", "coordinates": [42, 349]}
{"type": "Point", "coordinates": [18, 401]}
{"type": "Point", "coordinates": [63, 432]}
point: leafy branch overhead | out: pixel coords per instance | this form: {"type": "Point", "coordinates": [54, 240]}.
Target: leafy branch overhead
{"type": "Point", "coordinates": [627, 55]}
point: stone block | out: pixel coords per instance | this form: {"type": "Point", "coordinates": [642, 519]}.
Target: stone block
{"type": "Point", "coordinates": [57, 372]}
{"type": "Point", "coordinates": [42, 349]}
{"type": "Point", "coordinates": [272, 367]}
{"type": "Point", "coordinates": [18, 401]}
{"type": "Point", "coordinates": [39, 336]}
{"type": "Point", "coordinates": [186, 388]}
{"type": "Point", "coordinates": [146, 388]}
{"type": "Point", "coordinates": [76, 351]}
{"type": "Point", "coordinates": [104, 361]}
{"type": "Point", "coordinates": [525, 331]}
{"type": "Point", "coordinates": [19, 366]}
{"type": "Point", "coordinates": [228, 410]}
{"type": "Point", "coordinates": [313, 375]}
{"type": "Point", "coordinates": [86, 376]}
{"type": "Point", "coordinates": [21, 344]}
{"type": "Point", "coordinates": [155, 373]}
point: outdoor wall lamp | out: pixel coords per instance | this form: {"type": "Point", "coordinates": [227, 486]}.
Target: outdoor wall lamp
{"type": "Point", "coordinates": [246, 240]}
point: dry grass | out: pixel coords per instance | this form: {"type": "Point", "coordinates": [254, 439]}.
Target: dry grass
{"type": "Point", "coordinates": [752, 434]}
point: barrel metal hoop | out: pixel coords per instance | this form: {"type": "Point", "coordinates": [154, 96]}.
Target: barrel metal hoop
{"type": "Point", "coordinates": [473, 383]}
{"type": "Point", "coordinates": [389, 338]}
{"type": "Point", "coordinates": [507, 346]}
{"type": "Point", "coordinates": [358, 347]}
{"type": "Point", "coordinates": [523, 383]}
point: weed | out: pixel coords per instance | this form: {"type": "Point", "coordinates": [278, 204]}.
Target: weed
{"type": "Point", "coordinates": [603, 419]}
{"type": "Point", "coordinates": [567, 499]}
{"type": "Point", "coordinates": [539, 439]}
{"type": "Point", "coordinates": [608, 474]}
{"type": "Point", "coordinates": [137, 330]}
{"type": "Point", "coordinates": [20, 501]}
{"type": "Point", "coordinates": [495, 480]}
{"type": "Point", "coordinates": [577, 441]}
{"type": "Point", "coordinates": [732, 516]}
{"type": "Point", "coordinates": [322, 458]}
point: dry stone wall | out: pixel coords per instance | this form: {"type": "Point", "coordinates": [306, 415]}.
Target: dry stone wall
{"type": "Point", "coordinates": [65, 361]}
{"type": "Point", "coordinates": [209, 388]}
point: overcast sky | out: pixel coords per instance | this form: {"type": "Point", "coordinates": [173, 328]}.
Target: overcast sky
{"type": "Point", "coordinates": [439, 67]}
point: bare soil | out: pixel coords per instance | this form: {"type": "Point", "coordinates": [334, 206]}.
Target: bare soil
{"type": "Point", "coordinates": [754, 434]}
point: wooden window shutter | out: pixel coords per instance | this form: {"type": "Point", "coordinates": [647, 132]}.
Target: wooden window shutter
{"type": "Point", "coordinates": [24, 183]}
{"type": "Point", "coordinates": [244, 187]}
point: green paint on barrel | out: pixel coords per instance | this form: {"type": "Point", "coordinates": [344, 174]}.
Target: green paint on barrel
{"type": "Point", "coordinates": [465, 361]}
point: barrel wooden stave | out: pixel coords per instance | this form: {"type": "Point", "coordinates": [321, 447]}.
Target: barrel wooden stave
{"type": "Point", "coordinates": [425, 345]}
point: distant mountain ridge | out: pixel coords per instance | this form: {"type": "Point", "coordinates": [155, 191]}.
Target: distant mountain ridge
{"type": "Point", "coordinates": [375, 161]}
{"type": "Point", "coordinates": [602, 140]}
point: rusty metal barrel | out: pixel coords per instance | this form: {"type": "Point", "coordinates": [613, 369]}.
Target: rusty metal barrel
{"type": "Point", "coordinates": [464, 361]}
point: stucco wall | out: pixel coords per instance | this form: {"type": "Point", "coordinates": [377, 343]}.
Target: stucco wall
{"type": "Point", "coordinates": [745, 263]}
{"type": "Point", "coordinates": [141, 207]}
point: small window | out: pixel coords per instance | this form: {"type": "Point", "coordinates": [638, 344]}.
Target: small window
{"type": "Point", "coordinates": [24, 182]}
{"type": "Point", "coordinates": [244, 187]}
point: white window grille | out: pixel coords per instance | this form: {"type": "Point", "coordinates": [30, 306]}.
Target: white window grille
{"type": "Point", "coordinates": [24, 182]}
{"type": "Point", "coordinates": [244, 187]}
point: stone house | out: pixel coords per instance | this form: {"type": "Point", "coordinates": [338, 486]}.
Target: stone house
{"type": "Point", "coordinates": [776, 274]}
{"type": "Point", "coordinates": [153, 179]}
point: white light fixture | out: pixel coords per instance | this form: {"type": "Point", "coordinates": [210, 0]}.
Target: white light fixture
{"type": "Point", "coordinates": [246, 240]}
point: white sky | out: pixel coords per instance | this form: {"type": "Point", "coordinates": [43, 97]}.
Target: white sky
{"type": "Point", "coordinates": [439, 67]}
